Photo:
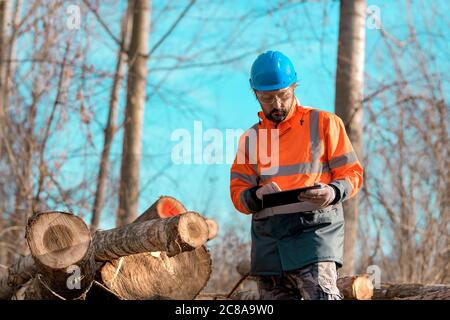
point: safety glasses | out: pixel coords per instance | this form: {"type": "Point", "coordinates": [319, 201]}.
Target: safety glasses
{"type": "Point", "coordinates": [269, 98]}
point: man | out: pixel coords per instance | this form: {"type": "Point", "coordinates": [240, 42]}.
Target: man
{"type": "Point", "coordinates": [296, 248]}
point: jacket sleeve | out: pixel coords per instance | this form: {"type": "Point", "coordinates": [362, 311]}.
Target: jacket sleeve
{"type": "Point", "coordinates": [346, 170]}
{"type": "Point", "coordinates": [244, 179]}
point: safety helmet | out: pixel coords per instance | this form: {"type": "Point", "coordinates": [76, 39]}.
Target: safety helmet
{"type": "Point", "coordinates": [272, 70]}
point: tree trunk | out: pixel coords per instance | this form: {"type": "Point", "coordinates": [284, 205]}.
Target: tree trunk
{"type": "Point", "coordinates": [174, 235]}
{"type": "Point", "coordinates": [4, 18]}
{"type": "Point", "coordinates": [110, 129]}
{"type": "Point", "coordinates": [4, 39]}
{"type": "Point", "coordinates": [356, 287]}
{"type": "Point", "coordinates": [10, 50]}
{"type": "Point", "coordinates": [134, 113]}
{"type": "Point", "coordinates": [348, 104]}
{"type": "Point", "coordinates": [154, 275]}
{"type": "Point", "coordinates": [60, 244]}
{"type": "Point", "coordinates": [166, 207]}
{"type": "Point", "coordinates": [412, 291]}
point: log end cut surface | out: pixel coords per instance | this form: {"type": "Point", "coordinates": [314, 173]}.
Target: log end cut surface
{"type": "Point", "coordinates": [58, 239]}
{"type": "Point", "coordinates": [213, 229]}
{"type": "Point", "coordinates": [358, 287]}
{"type": "Point", "coordinates": [193, 229]}
{"type": "Point", "coordinates": [169, 207]}
{"type": "Point", "coordinates": [164, 207]}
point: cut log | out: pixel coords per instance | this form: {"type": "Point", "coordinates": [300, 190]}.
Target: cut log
{"type": "Point", "coordinates": [213, 229]}
{"type": "Point", "coordinates": [60, 244]}
{"type": "Point", "coordinates": [173, 235]}
{"type": "Point", "coordinates": [411, 291]}
{"type": "Point", "coordinates": [154, 275]}
{"type": "Point", "coordinates": [435, 295]}
{"type": "Point", "coordinates": [356, 287]}
{"type": "Point", "coordinates": [146, 276]}
{"type": "Point", "coordinates": [164, 207]}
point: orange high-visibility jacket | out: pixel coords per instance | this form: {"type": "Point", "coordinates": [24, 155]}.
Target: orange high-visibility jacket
{"type": "Point", "coordinates": [312, 147]}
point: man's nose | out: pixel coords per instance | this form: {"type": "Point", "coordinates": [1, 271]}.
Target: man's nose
{"type": "Point", "coordinates": [277, 104]}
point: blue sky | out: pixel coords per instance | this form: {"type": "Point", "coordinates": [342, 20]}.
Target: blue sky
{"type": "Point", "coordinates": [218, 96]}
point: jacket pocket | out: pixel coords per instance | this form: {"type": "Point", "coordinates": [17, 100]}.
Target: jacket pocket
{"type": "Point", "coordinates": [321, 217]}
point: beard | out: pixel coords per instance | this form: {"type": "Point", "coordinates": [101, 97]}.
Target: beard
{"type": "Point", "coordinates": [277, 115]}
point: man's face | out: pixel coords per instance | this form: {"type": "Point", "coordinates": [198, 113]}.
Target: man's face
{"type": "Point", "coordinates": [276, 104]}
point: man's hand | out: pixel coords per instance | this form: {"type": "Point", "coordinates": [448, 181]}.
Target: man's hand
{"type": "Point", "coordinates": [321, 197]}
{"type": "Point", "coordinates": [267, 188]}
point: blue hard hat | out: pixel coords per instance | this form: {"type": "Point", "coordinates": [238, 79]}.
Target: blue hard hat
{"type": "Point", "coordinates": [272, 70]}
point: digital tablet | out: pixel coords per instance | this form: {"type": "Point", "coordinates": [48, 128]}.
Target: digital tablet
{"type": "Point", "coordinates": [284, 197]}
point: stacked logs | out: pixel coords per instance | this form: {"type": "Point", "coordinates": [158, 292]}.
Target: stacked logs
{"type": "Point", "coordinates": [150, 258]}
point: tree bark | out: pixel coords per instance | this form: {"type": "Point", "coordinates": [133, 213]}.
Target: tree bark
{"type": "Point", "coordinates": [348, 104]}
{"type": "Point", "coordinates": [24, 190]}
{"type": "Point", "coordinates": [134, 113]}
{"type": "Point", "coordinates": [412, 291]}
{"type": "Point", "coordinates": [166, 207]}
{"type": "Point", "coordinates": [4, 39]}
{"type": "Point", "coordinates": [110, 129]}
{"type": "Point", "coordinates": [13, 19]}
{"type": "Point", "coordinates": [436, 295]}
{"type": "Point", "coordinates": [173, 235]}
